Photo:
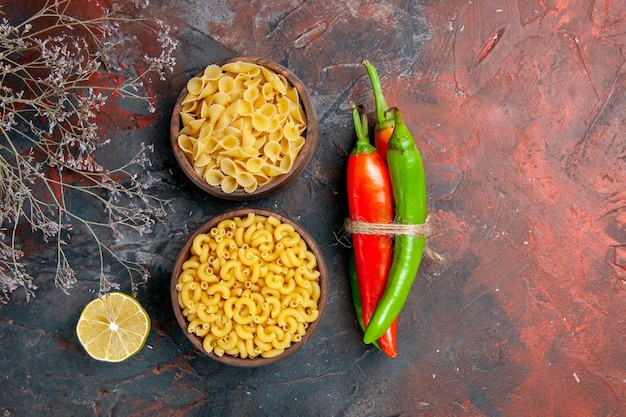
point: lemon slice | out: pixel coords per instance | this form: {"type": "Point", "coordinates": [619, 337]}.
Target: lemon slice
{"type": "Point", "coordinates": [113, 328]}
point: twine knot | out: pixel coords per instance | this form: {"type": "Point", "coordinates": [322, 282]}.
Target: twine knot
{"type": "Point", "coordinates": [394, 229]}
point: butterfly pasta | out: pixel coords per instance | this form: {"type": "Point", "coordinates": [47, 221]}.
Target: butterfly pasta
{"type": "Point", "coordinates": [245, 113]}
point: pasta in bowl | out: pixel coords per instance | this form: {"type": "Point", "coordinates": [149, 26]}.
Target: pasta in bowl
{"type": "Point", "coordinates": [243, 128]}
{"type": "Point", "coordinates": [249, 287]}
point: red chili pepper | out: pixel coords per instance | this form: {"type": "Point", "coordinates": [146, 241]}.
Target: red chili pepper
{"type": "Point", "coordinates": [370, 200]}
{"type": "Point", "coordinates": [383, 128]}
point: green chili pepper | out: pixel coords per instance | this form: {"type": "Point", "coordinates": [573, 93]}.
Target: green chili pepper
{"type": "Point", "coordinates": [356, 297]}
{"type": "Point", "coordinates": [408, 182]}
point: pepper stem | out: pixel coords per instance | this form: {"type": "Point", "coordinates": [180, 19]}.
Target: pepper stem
{"type": "Point", "coordinates": [382, 122]}
{"type": "Point", "coordinates": [363, 144]}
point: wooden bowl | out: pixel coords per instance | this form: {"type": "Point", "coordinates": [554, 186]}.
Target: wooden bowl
{"type": "Point", "coordinates": [185, 254]}
{"type": "Point", "coordinates": [279, 182]}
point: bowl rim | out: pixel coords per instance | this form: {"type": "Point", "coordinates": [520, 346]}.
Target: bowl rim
{"type": "Point", "coordinates": [183, 254]}
{"type": "Point", "coordinates": [304, 156]}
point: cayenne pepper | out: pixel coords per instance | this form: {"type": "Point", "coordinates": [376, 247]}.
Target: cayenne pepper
{"type": "Point", "coordinates": [370, 200]}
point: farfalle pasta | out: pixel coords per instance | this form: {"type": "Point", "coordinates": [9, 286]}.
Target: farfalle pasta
{"type": "Point", "coordinates": [243, 125]}
{"type": "Point", "coordinates": [250, 287]}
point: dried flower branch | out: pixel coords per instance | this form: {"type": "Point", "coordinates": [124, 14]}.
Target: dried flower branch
{"type": "Point", "coordinates": [58, 72]}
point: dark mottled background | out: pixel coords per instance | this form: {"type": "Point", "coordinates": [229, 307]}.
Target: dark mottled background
{"type": "Point", "coordinates": [518, 108]}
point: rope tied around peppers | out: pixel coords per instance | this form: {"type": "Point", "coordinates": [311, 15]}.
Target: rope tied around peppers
{"type": "Point", "coordinates": [394, 229]}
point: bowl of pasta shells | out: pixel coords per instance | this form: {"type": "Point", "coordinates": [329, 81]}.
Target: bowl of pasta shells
{"type": "Point", "coordinates": [249, 287]}
{"type": "Point", "coordinates": [243, 128]}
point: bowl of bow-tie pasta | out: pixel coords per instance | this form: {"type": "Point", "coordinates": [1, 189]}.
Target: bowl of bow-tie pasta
{"type": "Point", "coordinates": [249, 287]}
{"type": "Point", "coordinates": [243, 128]}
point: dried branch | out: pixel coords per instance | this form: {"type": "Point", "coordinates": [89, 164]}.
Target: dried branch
{"type": "Point", "coordinates": [58, 72]}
